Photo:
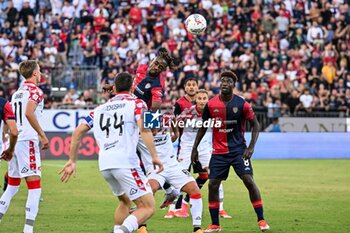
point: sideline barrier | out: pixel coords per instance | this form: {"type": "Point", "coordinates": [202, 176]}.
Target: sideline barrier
{"type": "Point", "coordinates": [301, 145]}
{"type": "Point", "coordinates": [269, 146]}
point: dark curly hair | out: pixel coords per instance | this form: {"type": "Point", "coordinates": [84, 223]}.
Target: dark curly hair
{"type": "Point", "coordinates": [164, 53]}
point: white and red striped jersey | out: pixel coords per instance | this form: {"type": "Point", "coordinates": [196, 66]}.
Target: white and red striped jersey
{"type": "Point", "coordinates": [116, 131]}
{"type": "Point", "coordinates": [28, 91]}
{"type": "Point", "coordinates": [189, 133]}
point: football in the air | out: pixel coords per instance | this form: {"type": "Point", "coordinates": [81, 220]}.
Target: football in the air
{"type": "Point", "coordinates": [196, 24]}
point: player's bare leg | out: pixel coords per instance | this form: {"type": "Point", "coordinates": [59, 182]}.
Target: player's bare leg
{"type": "Point", "coordinates": [33, 199]}
{"type": "Point", "coordinates": [155, 186]}
{"type": "Point", "coordinates": [200, 180]}
{"type": "Point", "coordinates": [214, 204]}
{"type": "Point", "coordinates": [255, 199]}
{"type": "Point", "coordinates": [122, 211]}
{"type": "Point", "coordinates": [145, 209]}
{"type": "Point", "coordinates": [193, 191]}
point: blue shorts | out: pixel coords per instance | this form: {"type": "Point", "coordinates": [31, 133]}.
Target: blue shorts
{"type": "Point", "coordinates": [219, 166]}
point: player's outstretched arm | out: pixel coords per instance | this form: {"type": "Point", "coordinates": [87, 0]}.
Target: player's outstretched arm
{"type": "Point", "coordinates": [147, 137]}
{"type": "Point", "coordinates": [200, 134]}
{"type": "Point", "coordinates": [69, 168]}
{"type": "Point", "coordinates": [11, 125]}
{"type": "Point", "coordinates": [30, 115]}
{"type": "Point", "coordinates": [174, 131]}
{"type": "Point", "coordinates": [255, 126]}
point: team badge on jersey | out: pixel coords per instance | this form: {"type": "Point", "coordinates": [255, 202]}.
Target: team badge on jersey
{"type": "Point", "coordinates": [35, 97]}
{"type": "Point", "coordinates": [235, 109]}
{"type": "Point", "coordinates": [148, 86]}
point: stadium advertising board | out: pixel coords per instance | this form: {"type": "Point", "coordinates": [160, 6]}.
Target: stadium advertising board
{"type": "Point", "coordinates": [269, 146]}
{"type": "Point", "coordinates": [294, 145]}
{"type": "Point", "coordinates": [59, 144]}
{"type": "Point", "coordinates": [317, 124]}
{"type": "Point", "coordinates": [62, 120]}
{"type": "Point", "coordinates": [67, 120]}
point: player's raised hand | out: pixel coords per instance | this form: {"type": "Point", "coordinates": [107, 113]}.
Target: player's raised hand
{"type": "Point", "coordinates": [248, 153]}
{"type": "Point", "coordinates": [68, 170]}
{"type": "Point", "coordinates": [194, 156]}
{"type": "Point", "coordinates": [157, 163]}
{"type": "Point", "coordinates": [44, 142]}
{"type": "Point", "coordinates": [6, 155]}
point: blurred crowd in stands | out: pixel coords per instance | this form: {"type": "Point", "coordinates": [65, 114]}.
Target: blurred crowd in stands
{"type": "Point", "coordinates": [289, 55]}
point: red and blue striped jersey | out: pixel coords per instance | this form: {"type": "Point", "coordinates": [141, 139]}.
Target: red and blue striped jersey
{"type": "Point", "coordinates": [147, 88]}
{"type": "Point", "coordinates": [229, 138]}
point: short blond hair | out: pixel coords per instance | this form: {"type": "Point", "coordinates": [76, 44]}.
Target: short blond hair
{"type": "Point", "coordinates": [203, 91]}
{"type": "Point", "coordinates": [26, 68]}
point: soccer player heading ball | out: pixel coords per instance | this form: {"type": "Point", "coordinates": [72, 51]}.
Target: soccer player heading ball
{"type": "Point", "coordinates": [229, 147]}
{"type": "Point", "coordinates": [116, 126]}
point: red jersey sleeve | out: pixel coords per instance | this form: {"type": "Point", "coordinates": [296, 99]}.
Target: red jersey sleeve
{"type": "Point", "coordinates": [36, 95]}
{"type": "Point", "coordinates": [248, 111]}
{"type": "Point", "coordinates": [157, 94]}
{"type": "Point", "coordinates": [139, 109]}
{"type": "Point", "coordinates": [8, 113]}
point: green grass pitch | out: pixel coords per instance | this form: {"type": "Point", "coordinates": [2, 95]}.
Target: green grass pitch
{"type": "Point", "coordinates": [303, 196]}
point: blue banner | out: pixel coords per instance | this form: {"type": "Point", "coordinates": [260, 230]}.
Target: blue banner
{"type": "Point", "coordinates": [301, 145]}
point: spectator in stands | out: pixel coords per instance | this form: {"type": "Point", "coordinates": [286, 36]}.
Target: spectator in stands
{"type": "Point", "coordinates": [306, 100]}
{"type": "Point", "coordinates": [288, 45]}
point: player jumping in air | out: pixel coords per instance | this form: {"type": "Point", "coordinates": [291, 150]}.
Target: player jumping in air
{"type": "Point", "coordinates": [27, 103]}
{"type": "Point", "coordinates": [116, 126]}
{"type": "Point", "coordinates": [229, 147]}
{"type": "Point", "coordinates": [149, 87]}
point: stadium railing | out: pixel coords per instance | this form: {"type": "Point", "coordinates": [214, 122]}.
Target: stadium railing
{"type": "Point", "coordinates": [80, 77]}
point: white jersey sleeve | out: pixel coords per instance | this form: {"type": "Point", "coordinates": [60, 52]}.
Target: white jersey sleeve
{"type": "Point", "coordinates": [189, 134]}
{"type": "Point", "coordinates": [20, 99]}
{"type": "Point", "coordinates": [116, 132]}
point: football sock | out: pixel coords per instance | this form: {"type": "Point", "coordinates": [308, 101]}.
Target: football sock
{"type": "Point", "coordinates": [130, 223]}
{"type": "Point", "coordinates": [10, 192]}
{"type": "Point", "coordinates": [214, 212]}
{"type": "Point", "coordinates": [116, 227]}
{"type": "Point", "coordinates": [5, 182]}
{"type": "Point", "coordinates": [167, 188]}
{"type": "Point", "coordinates": [28, 227]}
{"type": "Point", "coordinates": [221, 197]}
{"type": "Point", "coordinates": [179, 202]}
{"type": "Point", "coordinates": [33, 199]}
{"type": "Point", "coordinates": [172, 207]}
{"type": "Point", "coordinates": [258, 207]}
{"type": "Point", "coordinates": [201, 179]}
{"type": "Point", "coordinates": [187, 198]}
{"type": "Point", "coordinates": [196, 209]}
{"type": "Point", "coordinates": [184, 205]}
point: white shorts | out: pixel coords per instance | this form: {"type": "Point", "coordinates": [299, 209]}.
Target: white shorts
{"type": "Point", "coordinates": [26, 160]}
{"type": "Point", "coordinates": [129, 181]}
{"type": "Point", "coordinates": [174, 175]}
{"type": "Point", "coordinates": [185, 158]}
